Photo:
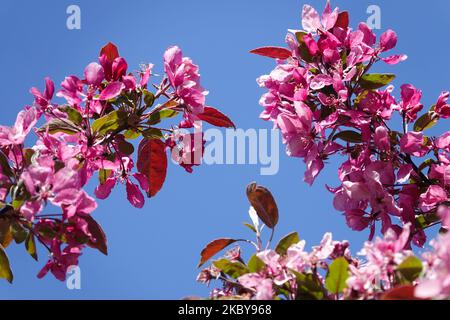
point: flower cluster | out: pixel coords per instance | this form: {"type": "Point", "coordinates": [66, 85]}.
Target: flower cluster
{"type": "Point", "coordinates": [90, 134]}
{"type": "Point", "coordinates": [324, 100]}
{"type": "Point", "coordinates": [385, 268]}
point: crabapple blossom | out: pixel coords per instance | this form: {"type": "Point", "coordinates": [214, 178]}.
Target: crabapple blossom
{"type": "Point", "coordinates": [42, 196]}
{"type": "Point", "coordinates": [325, 101]}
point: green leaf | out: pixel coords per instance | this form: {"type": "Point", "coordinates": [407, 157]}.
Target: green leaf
{"type": "Point", "coordinates": [233, 269]}
{"type": "Point", "coordinates": [255, 264]}
{"type": "Point", "coordinates": [19, 232]}
{"type": "Point", "coordinates": [110, 122]}
{"type": "Point", "coordinates": [286, 242]}
{"type": "Point", "coordinates": [162, 114]}
{"type": "Point", "coordinates": [30, 245]}
{"type": "Point", "coordinates": [250, 226]}
{"type": "Point", "coordinates": [309, 287]}
{"type": "Point", "coordinates": [153, 133]}
{"type": "Point", "coordinates": [4, 165]}
{"type": "Point", "coordinates": [376, 80]}
{"type": "Point", "coordinates": [337, 276]}
{"type": "Point", "coordinates": [349, 136]}
{"type": "Point", "coordinates": [131, 134]}
{"type": "Point", "coordinates": [425, 122]}
{"type": "Point", "coordinates": [410, 269]}
{"type": "Point", "coordinates": [74, 115]}
{"type": "Point", "coordinates": [103, 175]}
{"type": "Point", "coordinates": [149, 98]}
{"type": "Point", "coordinates": [58, 125]}
{"type": "Point", "coordinates": [5, 269]}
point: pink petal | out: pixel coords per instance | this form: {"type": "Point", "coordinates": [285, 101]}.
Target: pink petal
{"type": "Point", "coordinates": [388, 40]}
{"type": "Point", "coordinates": [104, 190]}
{"type": "Point", "coordinates": [392, 60]}
{"type": "Point", "coordinates": [134, 195]}
{"type": "Point", "coordinates": [111, 91]}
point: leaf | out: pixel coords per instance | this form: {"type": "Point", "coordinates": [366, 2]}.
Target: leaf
{"type": "Point", "coordinates": [152, 162]}
{"type": "Point", "coordinates": [213, 248]}
{"type": "Point", "coordinates": [286, 242]}
{"type": "Point", "coordinates": [376, 80]}
{"type": "Point", "coordinates": [110, 122]}
{"type": "Point", "coordinates": [98, 234]}
{"type": "Point", "coordinates": [131, 134]}
{"type": "Point", "coordinates": [264, 204]}
{"type": "Point", "coordinates": [30, 245]}
{"type": "Point", "coordinates": [309, 287]}
{"type": "Point", "coordinates": [156, 117]}
{"type": "Point", "coordinates": [19, 232]}
{"type": "Point", "coordinates": [400, 293]}
{"type": "Point", "coordinates": [234, 269]}
{"type": "Point", "coordinates": [337, 276]}
{"type": "Point", "coordinates": [103, 175]}
{"type": "Point", "coordinates": [125, 147]}
{"type": "Point", "coordinates": [4, 165]}
{"type": "Point", "coordinates": [5, 231]}
{"type": "Point", "coordinates": [255, 264]}
{"type": "Point", "coordinates": [425, 122]}
{"type": "Point", "coordinates": [58, 125]}
{"type": "Point", "coordinates": [343, 20]}
{"type": "Point", "coordinates": [152, 133]}
{"type": "Point", "coordinates": [273, 52]}
{"type": "Point", "coordinates": [110, 51]}
{"type": "Point", "coordinates": [5, 269]}
{"type": "Point", "coordinates": [250, 226]}
{"type": "Point", "coordinates": [149, 98]}
{"type": "Point", "coordinates": [216, 118]}
{"type": "Point", "coordinates": [410, 269]}
{"type": "Point", "coordinates": [74, 115]}
{"type": "Point", "coordinates": [349, 136]}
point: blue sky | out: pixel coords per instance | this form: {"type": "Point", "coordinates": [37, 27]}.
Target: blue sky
{"type": "Point", "coordinates": [154, 251]}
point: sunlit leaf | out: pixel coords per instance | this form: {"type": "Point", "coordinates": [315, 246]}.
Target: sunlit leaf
{"type": "Point", "coordinates": [152, 162]}
{"type": "Point", "coordinates": [213, 248]}
{"type": "Point", "coordinates": [264, 204]}
{"type": "Point", "coordinates": [337, 276]}
{"type": "Point", "coordinates": [286, 242]}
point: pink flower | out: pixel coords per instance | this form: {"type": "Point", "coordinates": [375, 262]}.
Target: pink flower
{"type": "Point", "coordinates": [434, 196]}
{"type": "Point", "coordinates": [410, 104]}
{"type": "Point", "coordinates": [257, 282]}
{"type": "Point", "coordinates": [185, 79]}
{"type": "Point", "coordinates": [16, 135]}
{"type": "Point", "coordinates": [94, 74]}
{"type": "Point", "coordinates": [382, 139]}
{"type": "Point", "coordinates": [388, 40]}
{"type": "Point", "coordinates": [43, 100]}
{"type": "Point", "coordinates": [442, 108]}
{"type": "Point", "coordinates": [413, 143]}
{"type": "Point", "coordinates": [311, 20]}
{"type": "Point", "coordinates": [60, 261]}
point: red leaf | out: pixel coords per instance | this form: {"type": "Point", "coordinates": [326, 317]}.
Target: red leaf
{"type": "Point", "coordinates": [400, 293]}
{"type": "Point", "coordinates": [213, 248]}
{"type": "Point", "coordinates": [152, 162]}
{"type": "Point", "coordinates": [273, 52]}
{"type": "Point", "coordinates": [264, 204]}
{"type": "Point", "coordinates": [216, 118]}
{"type": "Point", "coordinates": [110, 51]}
{"type": "Point", "coordinates": [97, 232]}
{"type": "Point", "coordinates": [343, 20]}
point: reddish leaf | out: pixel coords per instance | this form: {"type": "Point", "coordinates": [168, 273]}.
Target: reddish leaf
{"type": "Point", "coordinates": [400, 293]}
{"type": "Point", "coordinates": [97, 232]}
{"type": "Point", "coordinates": [213, 248]}
{"type": "Point", "coordinates": [264, 204]}
{"type": "Point", "coordinates": [273, 52]}
{"type": "Point", "coordinates": [110, 51]}
{"type": "Point", "coordinates": [343, 20]}
{"type": "Point", "coordinates": [152, 162]}
{"type": "Point", "coordinates": [216, 118]}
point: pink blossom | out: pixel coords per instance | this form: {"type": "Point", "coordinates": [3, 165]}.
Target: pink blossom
{"type": "Point", "coordinates": [410, 104]}
{"type": "Point", "coordinates": [413, 143]}
{"type": "Point", "coordinates": [16, 135]}
{"type": "Point", "coordinates": [434, 196]}
{"type": "Point", "coordinates": [442, 108]}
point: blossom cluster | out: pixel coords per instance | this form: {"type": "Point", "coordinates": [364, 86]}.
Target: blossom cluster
{"type": "Point", "coordinates": [324, 100]}
{"type": "Point", "coordinates": [385, 268]}
{"type": "Point", "coordinates": [42, 196]}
